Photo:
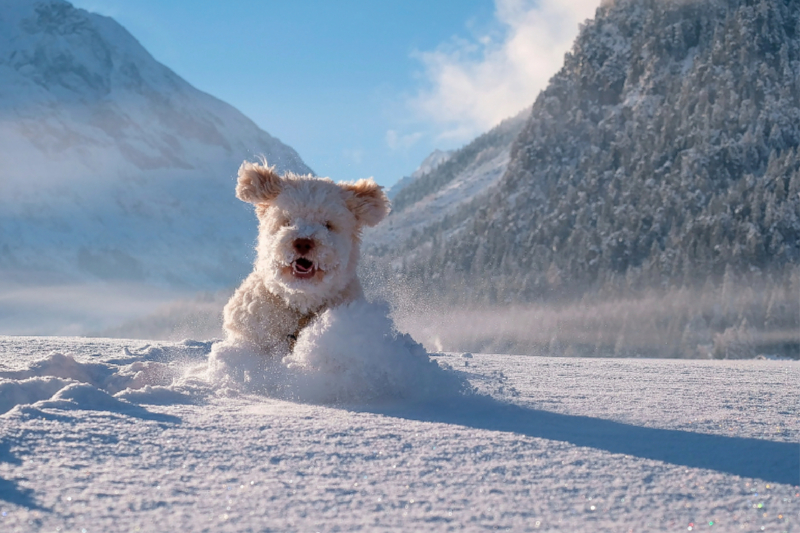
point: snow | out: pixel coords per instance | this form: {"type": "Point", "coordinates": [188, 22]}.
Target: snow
{"type": "Point", "coordinates": [350, 354]}
{"type": "Point", "coordinates": [360, 429]}
{"type": "Point", "coordinates": [433, 160]}
{"type": "Point", "coordinates": [475, 181]}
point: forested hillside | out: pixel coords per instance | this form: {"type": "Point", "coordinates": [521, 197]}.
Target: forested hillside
{"type": "Point", "coordinates": [663, 155]}
{"type": "Point", "coordinates": [444, 183]}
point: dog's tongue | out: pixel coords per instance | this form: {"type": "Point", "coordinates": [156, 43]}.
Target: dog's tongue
{"type": "Point", "coordinates": [303, 266]}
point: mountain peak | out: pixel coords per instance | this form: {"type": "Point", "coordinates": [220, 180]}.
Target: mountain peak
{"type": "Point", "coordinates": [111, 165]}
{"type": "Point", "coordinates": [66, 52]}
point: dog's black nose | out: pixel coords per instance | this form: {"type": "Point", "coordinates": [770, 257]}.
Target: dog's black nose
{"type": "Point", "coordinates": [303, 246]}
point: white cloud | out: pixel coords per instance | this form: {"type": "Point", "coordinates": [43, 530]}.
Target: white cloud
{"type": "Point", "coordinates": [356, 155]}
{"type": "Point", "coordinates": [474, 84]}
{"type": "Point", "coordinates": [397, 141]}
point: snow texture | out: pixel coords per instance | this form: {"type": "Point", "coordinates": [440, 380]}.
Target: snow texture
{"type": "Point", "coordinates": [361, 429]}
{"type": "Point", "coordinates": [349, 355]}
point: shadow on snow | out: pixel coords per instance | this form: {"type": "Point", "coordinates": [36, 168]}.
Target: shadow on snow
{"type": "Point", "coordinates": [777, 462]}
{"type": "Point", "coordinates": [9, 490]}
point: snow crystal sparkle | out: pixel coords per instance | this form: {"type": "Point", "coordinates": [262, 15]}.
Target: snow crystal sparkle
{"type": "Point", "coordinates": [503, 457]}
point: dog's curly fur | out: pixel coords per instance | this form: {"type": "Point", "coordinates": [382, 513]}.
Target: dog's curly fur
{"type": "Point", "coordinates": [307, 253]}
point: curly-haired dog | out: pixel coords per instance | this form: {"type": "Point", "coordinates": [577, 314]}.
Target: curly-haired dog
{"type": "Point", "coordinates": [307, 251]}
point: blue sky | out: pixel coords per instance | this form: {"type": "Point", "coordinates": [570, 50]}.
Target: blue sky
{"type": "Point", "coordinates": [361, 87]}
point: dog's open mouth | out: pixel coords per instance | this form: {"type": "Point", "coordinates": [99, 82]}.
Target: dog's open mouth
{"type": "Point", "coordinates": [303, 268]}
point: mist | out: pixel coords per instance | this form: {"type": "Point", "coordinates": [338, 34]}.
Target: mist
{"type": "Point", "coordinates": [77, 308]}
{"type": "Point", "coordinates": [734, 319]}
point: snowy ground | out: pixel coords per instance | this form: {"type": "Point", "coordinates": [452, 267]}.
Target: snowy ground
{"type": "Point", "coordinates": [114, 435]}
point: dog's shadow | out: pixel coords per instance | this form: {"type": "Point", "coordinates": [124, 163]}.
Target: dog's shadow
{"type": "Point", "coordinates": [10, 491]}
{"type": "Point", "coordinates": [777, 462]}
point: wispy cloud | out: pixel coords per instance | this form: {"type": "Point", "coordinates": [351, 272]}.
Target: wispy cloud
{"type": "Point", "coordinates": [398, 141]}
{"type": "Point", "coordinates": [354, 155]}
{"type": "Point", "coordinates": [474, 84]}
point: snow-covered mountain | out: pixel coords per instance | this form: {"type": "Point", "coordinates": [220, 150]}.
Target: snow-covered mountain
{"type": "Point", "coordinates": [661, 164]}
{"type": "Point", "coordinates": [442, 185]}
{"type": "Point", "coordinates": [112, 167]}
{"type": "Point", "coordinates": [434, 159]}
{"type": "Point", "coordinates": [664, 152]}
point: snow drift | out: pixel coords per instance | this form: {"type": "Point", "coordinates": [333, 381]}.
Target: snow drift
{"type": "Point", "coordinates": [350, 355]}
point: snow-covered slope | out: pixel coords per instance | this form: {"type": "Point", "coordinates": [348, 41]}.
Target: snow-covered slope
{"type": "Point", "coordinates": [112, 167]}
{"type": "Point", "coordinates": [434, 159]}
{"type": "Point", "coordinates": [663, 153]}
{"type": "Point", "coordinates": [440, 187]}
{"type": "Point", "coordinates": [115, 435]}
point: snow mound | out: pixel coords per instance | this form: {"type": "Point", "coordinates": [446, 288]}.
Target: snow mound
{"type": "Point", "coordinates": [110, 377]}
{"type": "Point", "coordinates": [150, 375]}
{"type": "Point", "coordinates": [28, 391]}
{"type": "Point", "coordinates": [349, 354]}
{"type": "Point", "coordinates": [84, 396]}
{"type": "Point", "coordinates": [156, 395]}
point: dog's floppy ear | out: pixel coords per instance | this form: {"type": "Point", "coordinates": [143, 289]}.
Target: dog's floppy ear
{"type": "Point", "coordinates": [366, 200]}
{"type": "Point", "coordinates": [257, 183]}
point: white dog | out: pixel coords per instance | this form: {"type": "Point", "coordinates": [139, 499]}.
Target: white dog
{"type": "Point", "coordinates": [307, 252]}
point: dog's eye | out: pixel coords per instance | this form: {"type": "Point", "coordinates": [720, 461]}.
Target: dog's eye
{"type": "Point", "coordinates": [329, 226]}
{"type": "Point", "coordinates": [286, 222]}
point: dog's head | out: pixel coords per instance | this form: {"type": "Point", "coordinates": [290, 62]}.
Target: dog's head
{"type": "Point", "coordinates": [309, 230]}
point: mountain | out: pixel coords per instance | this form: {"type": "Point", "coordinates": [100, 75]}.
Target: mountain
{"type": "Point", "coordinates": [661, 160]}
{"type": "Point", "coordinates": [112, 167]}
{"type": "Point", "coordinates": [434, 159]}
{"type": "Point", "coordinates": [444, 182]}
{"type": "Point", "coordinates": [665, 150]}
